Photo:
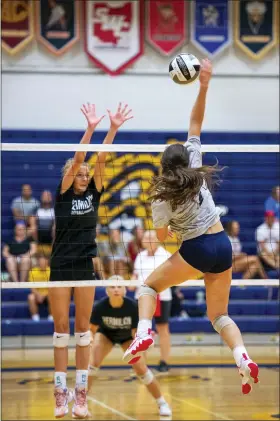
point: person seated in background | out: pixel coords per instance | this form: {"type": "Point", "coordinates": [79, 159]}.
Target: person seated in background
{"type": "Point", "coordinates": [39, 297]}
{"type": "Point", "coordinates": [115, 253]}
{"type": "Point", "coordinates": [18, 254]}
{"type": "Point", "coordinates": [135, 245]}
{"type": "Point", "coordinates": [177, 309]}
{"type": "Point", "coordinates": [24, 206]}
{"type": "Point", "coordinates": [249, 266]}
{"type": "Point", "coordinates": [272, 203]}
{"type": "Point", "coordinates": [42, 223]}
{"type": "Point", "coordinates": [267, 237]}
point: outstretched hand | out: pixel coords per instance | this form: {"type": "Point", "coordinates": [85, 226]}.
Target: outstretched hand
{"type": "Point", "coordinates": [121, 116]}
{"type": "Point", "coordinates": [89, 112]}
{"type": "Point", "coordinates": [205, 72]}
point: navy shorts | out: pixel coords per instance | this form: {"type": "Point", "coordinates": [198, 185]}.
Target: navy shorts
{"type": "Point", "coordinates": [208, 252]}
{"type": "Point", "coordinates": [78, 270]}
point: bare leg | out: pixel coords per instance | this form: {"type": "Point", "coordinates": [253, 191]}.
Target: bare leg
{"type": "Point", "coordinates": [254, 267]}
{"type": "Point", "coordinates": [164, 340]}
{"type": "Point", "coordinates": [99, 349]}
{"type": "Point", "coordinates": [33, 306]}
{"type": "Point", "coordinates": [24, 268]}
{"type": "Point", "coordinates": [11, 263]}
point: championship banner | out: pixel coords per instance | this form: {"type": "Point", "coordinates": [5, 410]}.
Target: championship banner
{"type": "Point", "coordinates": [166, 25]}
{"type": "Point", "coordinates": [211, 26]}
{"type": "Point", "coordinates": [114, 33]}
{"type": "Point", "coordinates": [256, 26]}
{"type": "Point", "coordinates": [17, 24]}
{"type": "Point", "coordinates": [57, 24]}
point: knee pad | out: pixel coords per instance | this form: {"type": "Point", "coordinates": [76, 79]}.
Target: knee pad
{"type": "Point", "coordinates": [222, 321]}
{"type": "Point", "coordinates": [83, 339]}
{"type": "Point", "coordinates": [147, 378]}
{"type": "Point", "coordinates": [145, 290]}
{"type": "Point", "coordinates": [61, 340]}
{"type": "Point", "coordinates": [93, 371]}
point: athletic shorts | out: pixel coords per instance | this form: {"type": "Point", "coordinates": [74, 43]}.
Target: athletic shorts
{"type": "Point", "coordinates": [208, 252]}
{"type": "Point", "coordinates": [113, 339]}
{"type": "Point", "coordinates": [78, 270]}
{"type": "Point", "coordinates": [165, 312]}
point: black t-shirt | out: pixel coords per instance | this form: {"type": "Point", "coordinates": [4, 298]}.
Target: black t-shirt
{"type": "Point", "coordinates": [75, 225]}
{"type": "Point", "coordinates": [17, 248]}
{"type": "Point", "coordinates": [116, 323]}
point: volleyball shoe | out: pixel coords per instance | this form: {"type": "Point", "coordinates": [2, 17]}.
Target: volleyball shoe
{"type": "Point", "coordinates": [249, 372]}
{"type": "Point", "coordinates": [142, 342]}
{"type": "Point", "coordinates": [80, 407]}
{"type": "Point", "coordinates": [62, 398]}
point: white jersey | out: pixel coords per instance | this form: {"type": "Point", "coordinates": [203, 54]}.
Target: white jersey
{"type": "Point", "coordinates": [193, 218]}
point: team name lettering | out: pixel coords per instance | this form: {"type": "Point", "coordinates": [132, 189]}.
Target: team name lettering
{"type": "Point", "coordinates": [80, 207]}
{"type": "Point", "coordinates": [117, 322]}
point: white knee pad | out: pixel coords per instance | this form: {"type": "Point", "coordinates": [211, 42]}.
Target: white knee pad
{"type": "Point", "coordinates": [61, 340]}
{"type": "Point", "coordinates": [147, 378]}
{"type": "Point", "coordinates": [83, 339]}
{"type": "Point", "coordinates": [145, 290]}
{"type": "Point", "coordinates": [93, 371]}
{"type": "Point", "coordinates": [221, 322]}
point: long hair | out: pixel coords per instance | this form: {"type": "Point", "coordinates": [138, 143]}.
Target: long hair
{"type": "Point", "coordinates": [179, 183]}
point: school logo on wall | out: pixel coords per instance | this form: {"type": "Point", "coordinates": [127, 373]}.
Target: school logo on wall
{"type": "Point", "coordinates": [211, 23]}
{"type": "Point", "coordinates": [57, 24]}
{"type": "Point", "coordinates": [17, 24]}
{"type": "Point", "coordinates": [256, 26]}
{"type": "Point", "coordinates": [114, 33]}
{"type": "Point", "coordinates": [166, 25]}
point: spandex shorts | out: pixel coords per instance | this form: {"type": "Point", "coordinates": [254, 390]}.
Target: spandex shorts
{"type": "Point", "coordinates": [113, 338]}
{"type": "Point", "coordinates": [165, 312]}
{"type": "Point", "coordinates": [78, 270]}
{"type": "Point", "coordinates": [208, 252]}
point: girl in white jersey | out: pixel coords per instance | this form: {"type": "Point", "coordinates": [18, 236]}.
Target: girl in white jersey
{"type": "Point", "coordinates": [182, 201]}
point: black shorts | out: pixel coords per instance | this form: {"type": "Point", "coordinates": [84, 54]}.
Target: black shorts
{"type": "Point", "coordinates": [113, 339]}
{"type": "Point", "coordinates": [165, 312]}
{"type": "Point", "coordinates": [78, 270]}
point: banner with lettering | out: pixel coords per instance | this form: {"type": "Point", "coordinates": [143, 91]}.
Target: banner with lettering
{"type": "Point", "coordinates": [255, 26]}
{"type": "Point", "coordinates": [17, 25]}
{"type": "Point", "coordinates": [166, 25]}
{"type": "Point", "coordinates": [57, 24]}
{"type": "Point", "coordinates": [211, 26]}
{"type": "Point", "coordinates": [114, 33]}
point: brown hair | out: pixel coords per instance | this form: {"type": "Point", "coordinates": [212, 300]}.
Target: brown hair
{"type": "Point", "coordinates": [179, 183]}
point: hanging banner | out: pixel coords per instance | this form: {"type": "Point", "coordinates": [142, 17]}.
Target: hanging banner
{"type": "Point", "coordinates": [256, 26]}
{"type": "Point", "coordinates": [166, 25]}
{"type": "Point", "coordinates": [211, 26]}
{"type": "Point", "coordinates": [57, 24]}
{"type": "Point", "coordinates": [17, 24]}
{"type": "Point", "coordinates": [114, 33]}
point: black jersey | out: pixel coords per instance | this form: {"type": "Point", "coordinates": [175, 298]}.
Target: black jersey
{"type": "Point", "coordinates": [115, 323]}
{"type": "Point", "coordinates": [75, 225]}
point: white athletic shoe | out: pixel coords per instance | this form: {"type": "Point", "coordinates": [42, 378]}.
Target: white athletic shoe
{"type": "Point", "coordinates": [62, 399]}
{"type": "Point", "coordinates": [249, 371]}
{"type": "Point", "coordinates": [165, 410]}
{"type": "Point", "coordinates": [80, 408]}
{"type": "Point", "coordinates": [139, 346]}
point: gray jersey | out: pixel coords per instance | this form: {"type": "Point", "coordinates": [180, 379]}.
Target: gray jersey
{"type": "Point", "coordinates": [193, 218]}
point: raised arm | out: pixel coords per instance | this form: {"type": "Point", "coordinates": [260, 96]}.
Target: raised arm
{"type": "Point", "coordinates": [198, 110]}
{"type": "Point", "coordinates": [79, 157]}
{"type": "Point", "coordinates": [117, 121]}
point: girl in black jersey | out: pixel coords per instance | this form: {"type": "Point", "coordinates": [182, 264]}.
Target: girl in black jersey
{"type": "Point", "coordinates": [76, 207]}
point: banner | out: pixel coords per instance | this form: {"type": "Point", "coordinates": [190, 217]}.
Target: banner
{"type": "Point", "coordinates": [166, 25]}
{"type": "Point", "coordinates": [17, 24]}
{"type": "Point", "coordinates": [211, 26]}
{"type": "Point", "coordinates": [57, 24]}
{"type": "Point", "coordinates": [256, 26]}
{"type": "Point", "coordinates": [114, 33]}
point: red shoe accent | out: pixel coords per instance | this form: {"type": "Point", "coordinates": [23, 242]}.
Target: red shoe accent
{"type": "Point", "coordinates": [245, 357]}
{"type": "Point", "coordinates": [246, 388]}
{"type": "Point", "coordinates": [134, 360]}
{"type": "Point", "coordinates": [254, 370]}
{"type": "Point", "coordinates": [142, 347]}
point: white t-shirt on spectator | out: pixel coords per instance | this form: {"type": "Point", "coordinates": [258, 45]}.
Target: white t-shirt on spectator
{"type": "Point", "coordinates": [236, 245]}
{"type": "Point", "coordinates": [270, 236]}
{"type": "Point", "coordinates": [45, 217]}
{"type": "Point", "coordinates": [144, 265]}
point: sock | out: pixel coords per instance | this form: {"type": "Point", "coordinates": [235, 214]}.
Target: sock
{"type": "Point", "coordinates": [160, 401]}
{"type": "Point", "coordinates": [144, 325]}
{"type": "Point", "coordinates": [60, 379]}
{"type": "Point", "coordinates": [239, 353]}
{"type": "Point", "coordinates": [82, 378]}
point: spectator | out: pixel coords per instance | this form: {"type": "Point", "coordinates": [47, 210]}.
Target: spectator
{"type": "Point", "coordinates": [135, 245]}
{"type": "Point", "coordinates": [25, 205]}
{"type": "Point", "coordinates": [177, 309]}
{"type": "Point", "coordinates": [39, 297]}
{"type": "Point", "coordinates": [42, 223]}
{"type": "Point", "coordinates": [146, 262]}
{"type": "Point", "coordinates": [249, 266]}
{"type": "Point", "coordinates": [267, 236]}
{"type": "Point", "coordinates": [18, 254]}
{"type": "Point", "coordinates": [272, 204]}
{"type": "Point", "coordinates": [114, 252]}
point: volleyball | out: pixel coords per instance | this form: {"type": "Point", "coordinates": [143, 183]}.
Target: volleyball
{"type": "Point", "coordinates": [184, 69]}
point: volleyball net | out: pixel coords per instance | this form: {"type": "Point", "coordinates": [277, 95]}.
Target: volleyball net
{"type": "Point", "coordinates": [251, 171]}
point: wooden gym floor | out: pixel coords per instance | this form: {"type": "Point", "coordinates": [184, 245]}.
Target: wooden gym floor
{"type": "Point", "coordinates": [206, 388]}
